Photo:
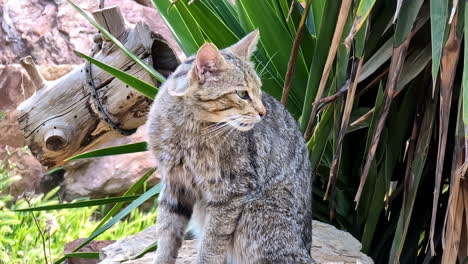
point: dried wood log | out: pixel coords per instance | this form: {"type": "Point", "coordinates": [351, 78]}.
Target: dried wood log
{"type": "Point", "coordinates": [60, 120]}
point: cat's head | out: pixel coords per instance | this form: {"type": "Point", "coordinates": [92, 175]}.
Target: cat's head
{"type": "Point", "coordinates": [223, 86]}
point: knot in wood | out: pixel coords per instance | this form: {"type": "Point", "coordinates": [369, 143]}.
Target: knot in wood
{"type": "Point", "coordinates": [56, 140]}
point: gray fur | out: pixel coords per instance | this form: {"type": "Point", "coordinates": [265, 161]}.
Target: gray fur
{"type": "Point", "coordinates": [249, 191]}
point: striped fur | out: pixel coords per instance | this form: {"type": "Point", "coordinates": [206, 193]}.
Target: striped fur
{"type": "Point", "coordinates": [244, 177]}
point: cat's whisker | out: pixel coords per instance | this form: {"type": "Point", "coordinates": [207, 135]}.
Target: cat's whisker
{"type": "Point", "coordinates": [222, 129]}
{"type": "Point", "coordinates": [219, 131]}
{"type": "Point", "coordinates": [213, 129]}
{"type": "Point", "coordinates": [218, 125]}
{"type": "Point", "coordinates": [230, 132]}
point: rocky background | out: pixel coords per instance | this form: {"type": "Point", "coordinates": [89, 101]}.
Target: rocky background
{"type": "Point", "coordinates": [49, 31]}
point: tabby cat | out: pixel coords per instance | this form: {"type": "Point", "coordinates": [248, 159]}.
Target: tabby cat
{"type": "Point", "coordinates": [232, 159]}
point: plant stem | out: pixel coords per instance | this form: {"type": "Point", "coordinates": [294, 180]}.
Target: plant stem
{"type": "Point", "coordinates": [40, 232]}
{"type": "Point", "coordinates": [293, 57]}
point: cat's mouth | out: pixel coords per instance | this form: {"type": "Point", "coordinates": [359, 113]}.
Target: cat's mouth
{"type": "Point", "coordinates": [233, 123]}
{"type": "Point", "coordinates": [244, 123]}
{"type": "Point", "coordinates": [245, 126]}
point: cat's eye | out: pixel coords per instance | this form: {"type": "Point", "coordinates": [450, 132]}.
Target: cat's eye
{"type": "Point", "coordinates": [243, 95]}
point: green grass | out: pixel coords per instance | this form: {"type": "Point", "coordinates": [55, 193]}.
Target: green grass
{"type": "Point", "coordinates": [20, 240]}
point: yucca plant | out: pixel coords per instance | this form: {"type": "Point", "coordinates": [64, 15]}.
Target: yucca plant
{"type": "Point", "coordinates": [381, 96]}
{"type": "Point", "coordinates": [384, 125]}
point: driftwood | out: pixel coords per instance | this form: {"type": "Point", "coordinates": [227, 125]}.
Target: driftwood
{"type": "Point", "coordinates": [61, 120]}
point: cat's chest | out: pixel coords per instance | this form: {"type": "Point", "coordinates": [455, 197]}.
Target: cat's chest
{"type": "Point", "coordinates": [214, 171]}
{"type": "Point", "coordinates": [193, 156]}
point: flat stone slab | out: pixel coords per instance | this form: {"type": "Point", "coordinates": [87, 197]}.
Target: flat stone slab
{"type": "Point", "coordinates": [329, 246]}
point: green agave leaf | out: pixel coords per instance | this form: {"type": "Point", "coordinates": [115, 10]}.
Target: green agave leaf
{"type": "Point", "coordinates": [131, 191]}
{"type": "Point", "coordinates": [318, 7]}
{"type": "Point", "coordinates": [190, 22]}
{"type": "Point", "coordinates": [2, 115]}
{"type": "Point", "coordinates": [150, 248]}
{"type": "Point", "coordinates": [307, 41]}
{"type": "Point", "coordinates": [357, 113]}
{"type": "Point", "coordinates": [380, 28]}
{"type": "Point", "coordinates": [398, 124]}
{"type": "Point", "coordinates": [262, 15]}
{"type": "Point", "coordinates": [320, 56]}
{"type": "Point", "coordinates": [309, 22]}
{"type": "Point", "coordinates": [139, 201]}
{"type": "Point", "coordinates": [362, 13]}
{"type": "Point", "coordinates": [292, 21]}
{"type": "Point", "coordinates": [360, 40]}
{"type": "Point", "coordinates": [51, 171]}
{"type": "Point", "coordinates": [78, 204]}
{"type": "Point", "coordinates": [84, 255]}
{"type": "Point", "coordinates": [460, 18]}
{"type": "Point", "coordinates": [149, 69]}
{"type": "Point", "coordinates": [341, 64]}
{"type": "Point", "coordinates": [373, 124]}
{"type": "Point", "coordinates": [420, 155]}
{"type": "Point", "coordinates": [141, 86]}
{"type": "Point", "coordinates": [226, 11]}
{"type": "Point", "coordinates": [406, 18]}
{"type": "Point", "coordinates": [413, 66]}
{"type": "Point", "coordinates": [210, 24]}
{"type": "Point", "coordinates": [118, 150]}
{"type": "Point", "coordinates": [51, 194]}
{"type": "Point", "coordinates": [316, 144]}
{"type": "Point", "coordinates": [370, 192]}
{"type": "Point", "coordinates": [383, 54]}
{"type": "Point", "coordinates": [60, 260]}
{"type": "Point", "coordinates": [182, 32]}
{"type": "Point", "coordinates": [439, 14]}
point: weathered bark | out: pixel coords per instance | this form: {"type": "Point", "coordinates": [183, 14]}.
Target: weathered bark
{"type": "Point", "coordinates": [60, 119]}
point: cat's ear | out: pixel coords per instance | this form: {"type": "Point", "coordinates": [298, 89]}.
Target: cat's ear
{"type": "Point", "coordinates": [245, 47]}
{"type": "Point", "coordinates": [207, 62]}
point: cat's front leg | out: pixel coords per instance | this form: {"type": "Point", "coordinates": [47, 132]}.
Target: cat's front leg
{"type": "Point", "coordinates": [175, 210]}
{"type": "Point", "coordinates": [218, 232]}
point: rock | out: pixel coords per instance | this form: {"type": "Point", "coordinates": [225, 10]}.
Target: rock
{"type": "Point", "coordinates": [110, 175]}
{"type": "Point", "coordinates": [49, 31]}
{"type": "Point", "coordinates": [15, 86]}
{"type": "Point", "coordinates": [329, 245]}
{"type": "Point", "coordinates": [54, 72]}
{"type": "Point", "coordinates": [25, 167]}
{"type": "Point", "coordinates": [11, 133]}
{"type": "Point", "coordinates": [125, 248]}
{"type": "Point", "coordinates": [122, 251]}
{"type": "Point", "coordinates": [93, 246]}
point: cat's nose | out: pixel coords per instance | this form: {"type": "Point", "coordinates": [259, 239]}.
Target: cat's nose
{"type": "Point", "coordinates": [262, 113]}
{"type": "Point", "coordinates": [260, 108]}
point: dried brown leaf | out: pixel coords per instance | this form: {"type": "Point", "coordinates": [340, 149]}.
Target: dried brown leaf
{"type": "Point", "coordinates": [344, 127]}
{"type": "Point", "coordinates": [294, 51]}
{"type": "Point", "coordinates": [449, 61]}
{"type": "Point", "coordinates": [340, 24]}
{"type": "Point", "coordinates": [398, 56]}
